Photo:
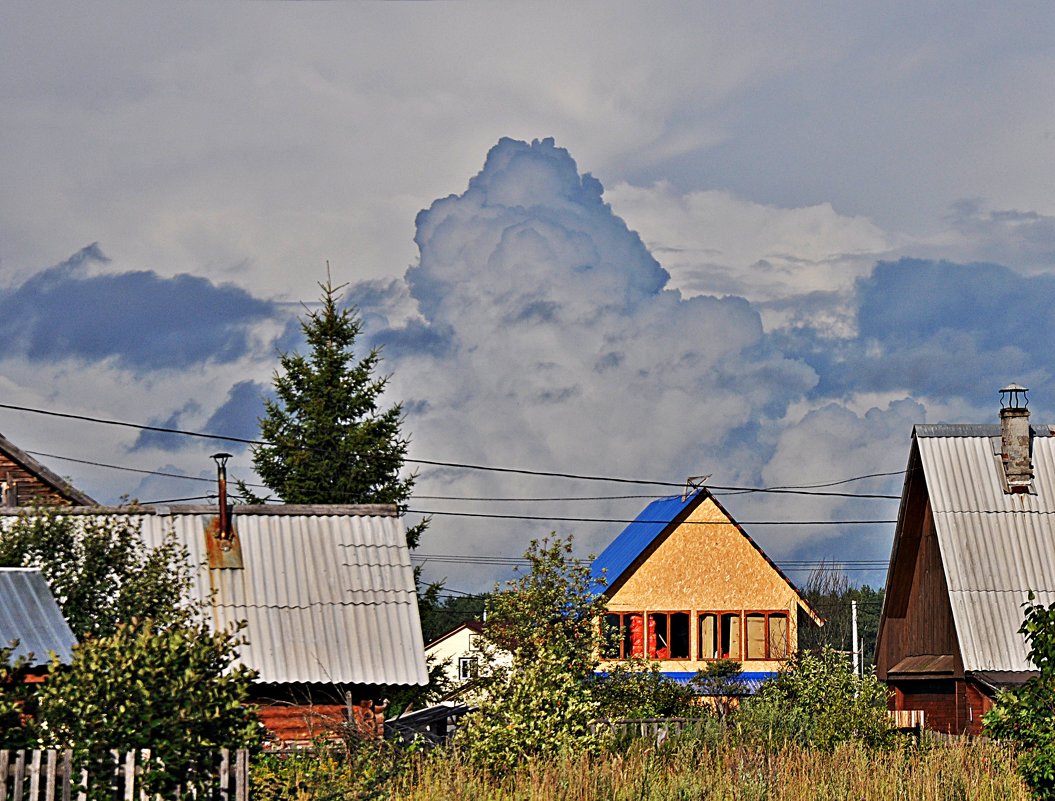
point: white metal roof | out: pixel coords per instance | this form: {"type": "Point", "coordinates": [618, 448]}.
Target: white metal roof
{"type": "Point", "coordinates": [996, 547]}
{"type": "Point", "coordinates": [327, 592]}
{"type": "Point", "coordinates": [30, 614]}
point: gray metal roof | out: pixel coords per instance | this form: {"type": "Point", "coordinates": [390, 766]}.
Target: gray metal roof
{"type": "Point", "coordinates": [327, 592]}
{"type": "Point", "coordinates": [30, 614]}
{"type": "Point", "coordinates": [996, 547]}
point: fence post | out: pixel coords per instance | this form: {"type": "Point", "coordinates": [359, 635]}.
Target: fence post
{"type": "Point", "coordinates": [20, 775]}
{"type": "Point", "coordinates": [67, 774]}
{"type": "Point", "coordinates": [5, 755]}
{"type": "Point", "coordinates": [34, 775]}
{"type": "Point", "coordinates": [130, 776]}
{"type": "Point", "coordinates": [242, 775]}
{"type": "Point", "coordinates": [49, 786]}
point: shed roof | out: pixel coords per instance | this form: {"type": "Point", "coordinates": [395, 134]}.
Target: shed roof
{"type": "Point", "coordinates": [657, 519]}
{"type": "Point", "coordinates": [30, 614]}
{"type": "Point", "coordinates": [327, 592]}
{"type": "Point", "coordinates": [995, 546]}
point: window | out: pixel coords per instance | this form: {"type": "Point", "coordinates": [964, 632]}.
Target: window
{"type": "Point", "coordinates": [719, 635]}
{"type": "Point", "coordinates": [624, 635]}
{"type": "Point", "coordinates": [767, 635]}
{"type": "Point", "coordinates": [467, 667]}
{"type": "Point", "coordinates": [668, 635]}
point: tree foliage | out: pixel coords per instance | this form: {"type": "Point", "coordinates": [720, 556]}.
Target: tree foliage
{"type": "Point", "coordinates": [542, 705]}
{"type": "Point", "coordinates": [818, 700]}
{"type": "Point", "coordinates": [555, 607]}
{"type": "Point", "coordinates": [172, 690]}
{"type": "Point", "coordinates": [17, 701]}
{"type": "Point", "coordinates": [98, 568]}
{"type": "Point", "coordinates": [541, 709]}
{"type": "Point", "coordinates": [329, 439]}
{"type": "Point", "coordinates": [1026, 715]}
{"type": "Point", "coordinates": [829, 590]}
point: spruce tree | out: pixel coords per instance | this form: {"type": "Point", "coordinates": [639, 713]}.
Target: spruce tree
{"type": "Point", "coordinates": [328, 440]}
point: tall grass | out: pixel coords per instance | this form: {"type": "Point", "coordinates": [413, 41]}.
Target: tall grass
{"type": "Point", "coordinates": [725, 770]}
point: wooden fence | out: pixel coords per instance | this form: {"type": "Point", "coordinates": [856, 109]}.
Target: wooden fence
{"type": "Point", "coordinates": [651, 728]}
{"type": "Point", "coordinates": [52, 776]}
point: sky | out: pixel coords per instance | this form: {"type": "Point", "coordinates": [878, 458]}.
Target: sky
{"type": "Point", "coordinates": [754, 243]}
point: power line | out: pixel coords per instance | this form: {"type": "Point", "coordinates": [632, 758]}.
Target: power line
{"type": "Point", "coordinates": [458, 465]}
{"type": "Point", "coordinates": [552, 518]}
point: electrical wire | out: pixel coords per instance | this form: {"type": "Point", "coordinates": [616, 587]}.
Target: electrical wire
{"type": "Point", "coordinates": [556, 519]}
{"type": "Point", "coordinates": [457, 465]}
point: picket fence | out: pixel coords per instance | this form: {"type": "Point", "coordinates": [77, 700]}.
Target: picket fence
{"type": "Point", "coordinates": [51, 776]}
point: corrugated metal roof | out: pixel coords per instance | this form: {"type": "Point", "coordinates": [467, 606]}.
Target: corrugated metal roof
{"type": "Point", "coordinates": [327, 593]}
{"type": "Point", "coordinates": [995, 546]}
{"type": "Point", "coordinates": [614, 560]}
{"type": "Point", "coordinates": [30, 614]}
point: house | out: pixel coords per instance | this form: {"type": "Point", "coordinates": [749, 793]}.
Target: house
{"type": "Point", "coordinates": [463, 655]}
{"type": "Point", "coordinates": [30, 617]}
{"type": "Point", "coordinates": [327, 594]}
{"type": "Point", "coordinates": [973, 539]}
{"type": "Point", "coordinates": [26, 482]}
{"type": "Point", "coordinates": [686, 586]}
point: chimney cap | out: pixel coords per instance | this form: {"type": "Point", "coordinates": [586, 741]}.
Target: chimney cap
{"type": "Point", "coordinates": [1009, 397]}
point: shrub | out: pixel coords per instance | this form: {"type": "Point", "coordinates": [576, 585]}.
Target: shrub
{"type": "Point", "coordinates": [540, 709]}
{"type": "Point", "coordinates": [636, 688]}
{"type": "Point", "coordinates": [818, 700]}
{"type": "Point", "coordinates": [1026, 716]}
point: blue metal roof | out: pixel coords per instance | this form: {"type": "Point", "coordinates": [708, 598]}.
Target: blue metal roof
{"type": "Point", "coordinates": [636, 537]}
{"type": "Point", "coordinates": [30, 614]}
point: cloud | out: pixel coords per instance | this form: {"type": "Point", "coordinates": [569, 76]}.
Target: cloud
{"type": "Point", "coordinates": [938, 330]}
{"type": "Point", "coordinates": [781, 259]}
{"type": "Point", "coordinates": [237, 416]}
{"type": "Point", "coordinates": [138, 320]}
{"type": "Point", "coordinates": [563, 347]}
{"type": "Point", "coordinates": [167, 441]}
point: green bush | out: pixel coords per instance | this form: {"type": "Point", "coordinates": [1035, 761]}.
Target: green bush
{"type": "Point", "coordinates": [818, 700]}
{"type": "Point", "coordinates": [541, 709]}
{"type": "Point", "coordinates": [1026, 716]}
{"type": "Point", "coordinates": [172, 690]}
{"type": "Point", "coordinates": [636, 688]}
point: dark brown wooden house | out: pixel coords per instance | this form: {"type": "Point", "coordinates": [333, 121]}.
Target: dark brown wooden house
{"type": "Point", "coordinates": [974, 537]}
{"type": "Point", "coordinates": [26, 482]}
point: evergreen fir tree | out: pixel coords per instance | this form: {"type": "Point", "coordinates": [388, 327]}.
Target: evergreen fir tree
{"type": "Point", "coordinates": [329, 442]}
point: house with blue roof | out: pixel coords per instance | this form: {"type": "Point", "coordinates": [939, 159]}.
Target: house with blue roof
{"type": "Point", "coordinates": [687, 586]}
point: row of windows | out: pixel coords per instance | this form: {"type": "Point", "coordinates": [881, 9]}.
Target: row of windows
{"type": "Point", "coordinates": [719, 635]}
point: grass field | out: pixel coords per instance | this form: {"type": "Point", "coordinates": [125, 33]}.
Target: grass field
{"type": "Point", "coordinates": [975, 770]}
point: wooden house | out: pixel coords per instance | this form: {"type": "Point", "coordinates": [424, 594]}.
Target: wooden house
{"type": "Point", "coordinates": [686, 586]}
{"type": "Point", "coordinates": [973, 539]}
{"type": "Point", "coordinates": [26, 482]}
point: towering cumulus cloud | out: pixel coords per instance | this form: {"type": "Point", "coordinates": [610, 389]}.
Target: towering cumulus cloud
{"type": "Point", "coordinates": [548, 339]}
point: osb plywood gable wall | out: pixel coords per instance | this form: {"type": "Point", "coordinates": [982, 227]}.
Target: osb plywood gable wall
{"type": "Point", "coordinates": [705, 564]}
{"type": "Point", "coordinates": [30, 489]}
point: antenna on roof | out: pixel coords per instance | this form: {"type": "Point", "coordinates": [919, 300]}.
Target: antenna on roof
{"type": "Point", "coordinates": [693, 484]}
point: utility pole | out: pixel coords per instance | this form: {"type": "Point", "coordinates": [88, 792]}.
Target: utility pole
{"type": "Point", "coordinates": [856, 646]}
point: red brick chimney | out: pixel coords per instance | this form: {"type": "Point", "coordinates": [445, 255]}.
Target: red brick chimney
{"type": "Point", "coordinates": [1016, 442]}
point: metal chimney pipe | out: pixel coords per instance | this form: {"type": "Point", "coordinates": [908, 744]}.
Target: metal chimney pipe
{"type": "Point", "coordinates": [221, 480]}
